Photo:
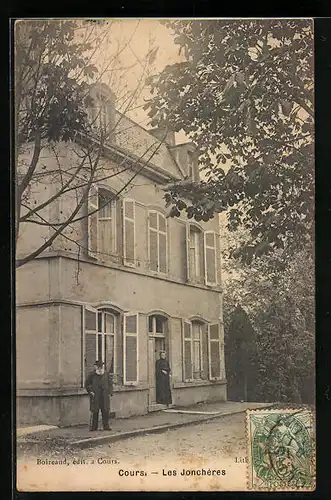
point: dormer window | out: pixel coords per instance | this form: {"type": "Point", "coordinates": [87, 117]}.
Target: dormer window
{"type": "Point", "coordinates": [193, 172]}
{"type": "Point", "coordinates": [102, 112]}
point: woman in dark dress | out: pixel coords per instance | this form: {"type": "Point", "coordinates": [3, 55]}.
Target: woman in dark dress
{"type": "Point", "coordinates": [163, 374]}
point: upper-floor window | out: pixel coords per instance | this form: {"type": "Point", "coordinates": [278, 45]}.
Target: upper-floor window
{"type": "Point", "coordinates": [111, 227]}
{"type": "Point", "coordinates": [195, 251]}
{"type": "Point", "coordinates": [102, 230]}
{"type": "Point", "coordinates": [157, 242]}
{"type": "Point", "coordinates": [201, 255]}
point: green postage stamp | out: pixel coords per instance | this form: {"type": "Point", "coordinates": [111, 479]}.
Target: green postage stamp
{"type": "Point", "coordinates": [281, 449]}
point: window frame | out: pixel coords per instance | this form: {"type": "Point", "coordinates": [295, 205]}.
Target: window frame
{"type": "Point", "coordinates": [96, 332]}
{"type": "Point", "coordinates": [125, 335]}
{"type": "Point", "coordinates": [186, 340]}
{"type": "Point", "coordinates": [95, 253]}
{"type": "Point", "coordinates": [200, 342]}
{"type": "Point", "coordinates": [113, 207]}
{"type": "Point", "coordinates": [192, 228]}
{"type": "Point", "coordinates": [154, 333]}
{"type": "Point", "coordinates": [158, 231]}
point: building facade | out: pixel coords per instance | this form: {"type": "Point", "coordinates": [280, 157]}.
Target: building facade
{"type": "Point", "coordinates": [120, 285]}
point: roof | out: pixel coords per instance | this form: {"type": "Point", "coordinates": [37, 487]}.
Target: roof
{"type": "Point", "coordinates": [132, 137]}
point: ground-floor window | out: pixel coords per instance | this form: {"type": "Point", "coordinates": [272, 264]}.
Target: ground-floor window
{"type": "Point", "coordinates": [112, 338]}
{"type": "Point", "coordinates": [100, 339]}
{"type": "Point", "coordinates": [202, 357]}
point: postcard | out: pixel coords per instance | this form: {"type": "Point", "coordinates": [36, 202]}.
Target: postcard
{"type": "Point", "coordinates": [165, 331]}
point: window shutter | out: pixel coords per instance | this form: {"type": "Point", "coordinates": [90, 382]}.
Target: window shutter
{"type": "Point", "coordinates": [90, 328]}
{"type": "Point", "coordinates": [129, 238]}
{"type": "Point", "coordinates": [214, 352]}
{"type": "Point", "coordinates": [187, 250]}
{"type": "Point", "coordinates": [92, 222]}
{"type": "Point", "coordinates": [187, 351]}
{"type": "Point", "coordinates": [130, 348]}
{"type": "Point", "coordinates": [210, 257]}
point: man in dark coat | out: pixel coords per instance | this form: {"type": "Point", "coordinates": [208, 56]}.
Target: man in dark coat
{"type": "Point", "coordinates": [99, 385]}
{"type": "Point", "coordinates": [163, 374]}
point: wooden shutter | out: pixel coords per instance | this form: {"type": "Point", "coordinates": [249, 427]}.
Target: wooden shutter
{"type": "Point", "coordinates": [90, 338]}
{"type": "Point", "coordinates": [129, 236]}
{"type": "Point", "coordinates": [92, 222]}
{"type": "Point", "coordinates": [187, 252]}
{"type": "Point", "coordinates": [210, 257]}
{"type": "Point", "coordinates": [130, 348]}
{"type": "Point", "coordinates": [187, 351]}
{"type": "Point", "coordinates": [214, 351]}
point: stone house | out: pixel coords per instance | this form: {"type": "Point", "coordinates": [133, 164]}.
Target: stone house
{"type": "Point", "coordinates": [129, 282]}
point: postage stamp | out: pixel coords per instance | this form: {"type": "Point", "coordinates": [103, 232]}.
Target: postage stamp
{"type": "Point", "coordinates": [281, 449]}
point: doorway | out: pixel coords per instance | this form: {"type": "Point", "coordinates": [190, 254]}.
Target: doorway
{"type": "Point", "coordinates": [156, 343]}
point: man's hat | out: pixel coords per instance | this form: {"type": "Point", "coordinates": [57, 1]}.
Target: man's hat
{"type": "Point", "coordinates": [99, 363]}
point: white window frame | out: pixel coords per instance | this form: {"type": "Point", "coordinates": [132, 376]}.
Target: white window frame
{"type": "Point", "coordinates": [219, 351]}
{"type": "Point", "coordinates": [185, 321]}
{"type": "Point", "coordinates": [125, 335]}
{"type": "Point", "coordinates": [154, 333]}
{"type": "Point", "coordinates": [96, 333]}
{"type": "Point", "coordinates": [103, 333]}
{"type": "Point", "coordinates": [205, 247]}
{"type": "Point", "coordinates": [113, 207]}
{"type": "Point", "coordinates": [200, 341]}
{"type": "Point", "coordinates": [124, 219]}
{"type": "Point", "coordinates": [158, 231]}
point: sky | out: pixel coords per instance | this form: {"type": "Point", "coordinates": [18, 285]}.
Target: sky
{"type": "Point", "coordinates": [131, 40]}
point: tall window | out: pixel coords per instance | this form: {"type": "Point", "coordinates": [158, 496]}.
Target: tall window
{"type": "Point", "coordinates": [195, 254]}
{"type": "Point", "coordinates": [157, 242]}
{"type": "Point", "coordinates": [201, 255]}
{"type": "Point", "coordinates": [106, 223]}
{"type": "Point", "coordinates": [100, 339]}
{"type": "Point", "coordinates": [197, 349]}
{"type": "Point", "coordinates": [202, 357]}
{"type": "Point", "coordinates": [102, 234]}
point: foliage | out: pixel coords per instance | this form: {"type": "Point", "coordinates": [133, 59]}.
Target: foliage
{"type": "Point", "coordinates": [244, 95]}
{"type": "Point", "coordinates": [51, 72]}
{"type": "Point", "coordinates": [280, 305]}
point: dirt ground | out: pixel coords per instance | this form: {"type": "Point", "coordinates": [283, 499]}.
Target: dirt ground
{"type": "Point", "coordinates": [224, 436]}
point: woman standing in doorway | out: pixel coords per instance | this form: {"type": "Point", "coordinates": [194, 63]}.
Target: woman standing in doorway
{"type": "Point", "coordinates": [163, 374]}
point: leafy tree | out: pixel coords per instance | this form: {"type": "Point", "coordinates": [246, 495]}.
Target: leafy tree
{"type": "Point", "coordinates": [244, 95]}
{"type": "Point", "coordinates": [56, 64]}
{"type": "Point", "coordinates": [279, 303]}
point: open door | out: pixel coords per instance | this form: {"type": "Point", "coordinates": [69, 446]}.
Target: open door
{"type": "Point", "coordinates": [155, 345]}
